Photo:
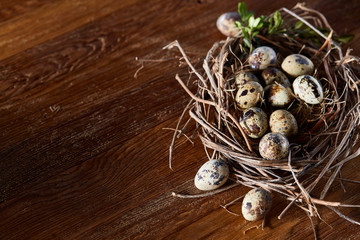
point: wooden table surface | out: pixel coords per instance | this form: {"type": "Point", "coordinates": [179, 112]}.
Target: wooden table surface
{"type": "Point", "coordinates": [84, 144]}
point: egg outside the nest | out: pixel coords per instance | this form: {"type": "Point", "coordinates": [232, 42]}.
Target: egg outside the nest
{"type": "Point", "coordinates": [308, 89]}
{"type": "Point", "coordinates": [212, 175]}
{"type": "Point", "coordinates": [256, 203]}
{"type": "Point", "coordinates": [226, 24]}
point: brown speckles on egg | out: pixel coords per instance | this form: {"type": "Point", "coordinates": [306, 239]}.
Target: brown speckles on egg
{"type": "Point", "coordinates": [262, 57]}
{"type": "Point", "coordinates": [226, 23]}
{"type": "Point", "coordinates": [308, 89]}
{"type": "Point", "coordinates": [302, 60]}
{"type": "Point", "coordinates": [272, 75]}
{"type": "Point", "coordinates": [256, 203]}
{"type": "Point", "coordinates": [282, 121]}
{"type": "Point", "coordinates": [254, 122]}
{"type": "Point", "coordinates": [211, 175]}
{"type": "Point", "coordinates": [278, 95]}
{"type": "Point", "coordinates": [243, 77]}
{"type": "Point", "coordinates": [246, 98]}
{"type": "Point", "coordinates": [274, 146]}
{"type": "Point", "coordinates": [248, 206]}
{"type": "Point", "coordinates": [297, 64]}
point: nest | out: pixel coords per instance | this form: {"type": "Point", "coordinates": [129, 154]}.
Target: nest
{"type": "Point", "coordinates": [328, 132]}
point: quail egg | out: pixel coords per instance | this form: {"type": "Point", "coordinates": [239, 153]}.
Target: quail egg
{"type": "Point", "coordinates": [278, 96]}
{"type": "Point", "coordinates": [262, 57]}
{"type": "Point", "coordinates": [249, 94]}
{"type": "Point", "coordinates": [274, 146]}
{"type": "Point", "coordinates": [308, 89]}
{"type": "Point", "coordinates": [297, 64]}
{"type": "Point", "coordinates": [256, 203]}
{"type": "Point", "coordinates": [254, 122]}
{"type": "Point", "coordinates": [243, 77]}
{"type": "Point", "coordinates": [211, 175]}
{"type": "Point", "coordinates": [226, 24]}
{"type": "Point", "coordinates": [271, 75]}
{"type": "Point", "coordinates": [284, 122]}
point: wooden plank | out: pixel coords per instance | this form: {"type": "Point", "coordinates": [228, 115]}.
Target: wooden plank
{"type": "Point", "coordinates": [108, 178]}
{"type": "Point", "coordinates": [56, 86]}
{"type": "Point", "coordinates": [51, 20]}
{"type": "Point", "coordinates": [83, 153]}
{"type": "Point", "coordinates": [14, 8]}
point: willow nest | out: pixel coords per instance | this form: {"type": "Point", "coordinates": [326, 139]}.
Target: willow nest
{"type": "Point", "coordinates": [328, 132]}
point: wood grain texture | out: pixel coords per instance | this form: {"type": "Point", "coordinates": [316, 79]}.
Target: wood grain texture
{"type": "Point", "coordinates": [83, 149]}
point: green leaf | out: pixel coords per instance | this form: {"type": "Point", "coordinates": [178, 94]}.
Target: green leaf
{"type": "Point", "coordinates": [298, 25]}
{"type": "Point", "coordinates": [238, 24]}
{"type": "Point", "coordinates": [256, 22]}
{"type": "Point", "coordinates": [242, 11]}
{"type": "Point", "coordinates": [344, 38]}
{"type": "Point", "coordinates": [251, 21]}
{"type": "Point", "coordinates": [277, 18]}
{"type": "Point", "coordinates": [254, 34]}
{"type": "Point", "coordinates": [260, 25]}
{"type": "Point", "coordinates": [247, 42]}
{"type": "Point", "coordinates": [245, 33]}
{"type": "Point", "coordinates": [275, 22]}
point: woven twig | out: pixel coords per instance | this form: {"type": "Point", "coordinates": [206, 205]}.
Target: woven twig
{"type": "Point", "coordinates": [329, 131]}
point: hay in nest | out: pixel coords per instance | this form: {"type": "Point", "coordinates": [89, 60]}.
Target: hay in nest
{"type": "Point", "coordinates": [328, 132]}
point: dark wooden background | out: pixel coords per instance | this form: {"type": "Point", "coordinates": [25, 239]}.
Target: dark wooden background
{"type": "Point", "coordinates": [83, 149]}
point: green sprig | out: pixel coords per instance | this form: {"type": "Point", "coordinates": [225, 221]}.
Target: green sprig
{"type": "Point", "coordinates": [251, 26]}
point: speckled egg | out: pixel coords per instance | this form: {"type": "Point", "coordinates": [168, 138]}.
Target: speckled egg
{"type": "Point", "coordinates": [262, 57]}
{"type": "Point", "coordinates": [243, 77]}
{"type": "Point", "coordinates": [249, 94]}
{"type": "Point", "coordinates": [308, 89]}
{"type": "Point", "coordinates": [226, 24]}
{"type": "Point", "coordinates": [278, 96]}
{"type": "Point", "coordinates": [254, 122]}
{"type": "Point", "coordinates": [256, 203]}
{"type": "Point", "coordinates": [274, 146]}
{"type": "Point", "coordinates": [297, 64]}
{"type": "Point", "coordinates": [284, 122]}
{"type": "Point", "coordinates": [271, 75]}
{"type": "Point", "coordinates": [211, 175]}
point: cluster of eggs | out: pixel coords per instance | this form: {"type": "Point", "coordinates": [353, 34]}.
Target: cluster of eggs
{"type": "Point", "coordinates": [278, 89]}
{"type": "Point", "coordinates": [278, 92]}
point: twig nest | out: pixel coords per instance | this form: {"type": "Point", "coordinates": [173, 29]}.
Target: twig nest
{"type": "Point", "coordinates": [256, 203]}
{"type": "Point", "coordinates": [278, 96]}
{"type": "Point", "coordinates": [282, 121]}
{"type": "Point", "coordinates": [211, 175]}
{"type": "Point", "coordinates": [249, 95]}
{"type": "Point", "coordinates": [262, 57]}
{"type": "Point", "coordinates": [297, 64]}
{"type": "Point", "coordinates": [271, 75]}
{"type": "Point", "coordinates": [308, 89]}
{"type": "Point", "coordinates": [243, 77]}
{"type": "Point", "coordinates": [226, 23]}
{"type": "Point", "coordinates": [274, 146]}
{"type": "Point", "coordinates": [254, 122]}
